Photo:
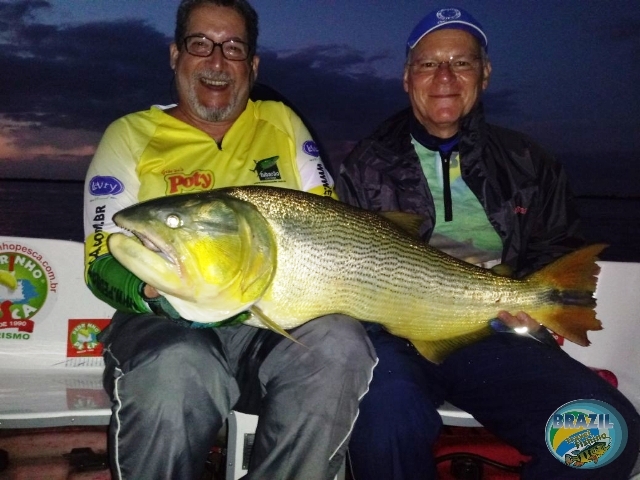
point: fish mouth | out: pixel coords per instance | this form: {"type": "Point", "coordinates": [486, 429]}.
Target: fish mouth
{"type": "Point", "coordinates": [154, 244]}
{"type": "Point", "coordinates": [163, 250]}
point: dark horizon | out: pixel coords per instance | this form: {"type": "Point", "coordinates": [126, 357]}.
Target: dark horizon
{"type": "Point", "coordinates": [588, 176]}
{"type": "Point", "coordinates": [81, 181]}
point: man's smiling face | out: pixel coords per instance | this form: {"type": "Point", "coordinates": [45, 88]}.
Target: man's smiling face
{"type": "Point", "coordinates": [213, 88]}
{"type": "Point", "coordinates": [441, 97]}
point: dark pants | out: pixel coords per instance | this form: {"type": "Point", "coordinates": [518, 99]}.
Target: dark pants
{"type": "Point", "coordinates": [172, 388]}
{"type": "Point", "coordinates": [509, 383]}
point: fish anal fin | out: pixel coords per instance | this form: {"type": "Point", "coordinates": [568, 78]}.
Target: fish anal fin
{"type": "Point", "coordinates": [271, 325]}
{"type": "Point", "coordinates": [437, 350]}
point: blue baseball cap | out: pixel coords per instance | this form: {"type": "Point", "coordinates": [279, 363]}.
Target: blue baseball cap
{"type": "Point", "coordinates": [449, 17]}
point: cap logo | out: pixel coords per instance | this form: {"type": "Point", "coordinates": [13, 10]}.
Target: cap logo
{"type": "Point", "coordinates": [448, 14]}
{"type": "Point", "coordinates": [446, 18]}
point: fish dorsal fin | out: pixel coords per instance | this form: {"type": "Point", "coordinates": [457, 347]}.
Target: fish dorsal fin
{"type": "Point", "coordinates": [503, 270]}
{"type": "Point", "coordinates": [437, 350]}
{"type": "Point", "coordinates": [270, 324]}
{"type": "Point", "coordinates": [409, 222]}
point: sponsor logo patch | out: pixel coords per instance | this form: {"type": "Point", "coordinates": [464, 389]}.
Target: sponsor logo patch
{"type": "Point", "coordinates": [100, 186]}
{"type": "Point", "coordinates": [194, 182]}
{"type": "Point", "coordinates": [267, 169]}
{"type": "Point", "coordinates": [82, 340]}
{"type": "Point", "coordinates": [311, 148]}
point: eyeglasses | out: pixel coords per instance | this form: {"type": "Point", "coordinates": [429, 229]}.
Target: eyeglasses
{"type": "Point", "coordinates": [462, 64]}
{"type": "Point", "coordinates": [201, 46]}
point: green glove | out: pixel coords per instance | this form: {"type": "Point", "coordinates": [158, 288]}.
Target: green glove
{"type": "Point", "coordinates": [161, 306]}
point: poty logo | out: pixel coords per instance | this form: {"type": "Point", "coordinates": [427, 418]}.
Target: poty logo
{"type": "Point", "coordinates": [310, 148]}
{"type": "Point", "coordinates": [448, 14]}
{"type": "Point", "coordinates": [586, 434]}
{"type": "Point", "coordinates": [99, 186]}
{"type": "Point", "coordinates": [196, 181]}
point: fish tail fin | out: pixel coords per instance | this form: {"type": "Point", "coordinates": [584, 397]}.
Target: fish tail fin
{"type": "Point", "coordinates": [573, 280]}
{"type": "Point", "coordinates": [576, 271]}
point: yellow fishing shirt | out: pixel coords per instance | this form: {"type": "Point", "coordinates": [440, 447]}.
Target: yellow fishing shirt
{"type": "Point", "coordinates": [150, 154]}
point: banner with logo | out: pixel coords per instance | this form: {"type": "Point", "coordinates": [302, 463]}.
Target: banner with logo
{"type": "Point", "coordinates": [48, 317]}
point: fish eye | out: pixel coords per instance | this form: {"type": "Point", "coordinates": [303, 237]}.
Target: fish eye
{"type": "Point", "coordinates": [173, 221]}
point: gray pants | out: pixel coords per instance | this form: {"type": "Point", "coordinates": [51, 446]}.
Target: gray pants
{"type": "Point", "coordinates": [172, 388]}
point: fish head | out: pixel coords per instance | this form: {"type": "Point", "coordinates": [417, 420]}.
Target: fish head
{"type": "Point", "coordinates": [211, 255]}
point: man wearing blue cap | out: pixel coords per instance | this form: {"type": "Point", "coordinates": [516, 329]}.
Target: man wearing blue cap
{"type": "Point", "coordinates": [488, 195]}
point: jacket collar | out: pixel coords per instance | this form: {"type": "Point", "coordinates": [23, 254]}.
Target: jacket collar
{"type": "Point", "coordinates": [424, 138]}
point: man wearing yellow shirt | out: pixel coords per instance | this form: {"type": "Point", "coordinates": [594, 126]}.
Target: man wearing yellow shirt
{"type": "Point", "coordinates": [172, 383]}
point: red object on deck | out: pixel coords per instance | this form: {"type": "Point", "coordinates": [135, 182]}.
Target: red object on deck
{"type": "Point", "coordinates": [477, 442]}
{"type": "Point", "coordinates": [607, 375]}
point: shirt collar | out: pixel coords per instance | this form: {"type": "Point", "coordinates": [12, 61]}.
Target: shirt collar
{"type": "Point", "coordinates": [424, 138]}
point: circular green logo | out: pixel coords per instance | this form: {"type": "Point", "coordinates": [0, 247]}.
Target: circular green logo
{"type": "Point", "coordinates": [586, 434]}
{"type": "Point", "coordinates": [27, 282]}
{"type": "Point", "coordinates": [84, 337]}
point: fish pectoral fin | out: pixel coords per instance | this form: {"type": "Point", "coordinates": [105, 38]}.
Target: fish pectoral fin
{"type": "Point", "coordinates": [437, 350]}
{"type": "Point", "coordinates": [271, 325]}
{"type": "Point", "coordinates": [259, 252]}
{"type": "Point", "coordinates": [256, 281]}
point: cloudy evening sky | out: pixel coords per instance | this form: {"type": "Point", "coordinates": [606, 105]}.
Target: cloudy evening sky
{"type": "Point", "coordinates": [566, 72]}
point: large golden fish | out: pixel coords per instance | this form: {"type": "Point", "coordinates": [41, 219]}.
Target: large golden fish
{"type": "Point", "coordinates": [289, 257]}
